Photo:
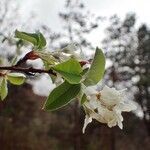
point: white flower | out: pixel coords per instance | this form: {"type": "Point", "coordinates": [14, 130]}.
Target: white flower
{"type": "Point", "coordinates": [65, 53]}
{"type": "Point", "coordinates": [106, 106]}
{"type": "Point", "coordinates": [75, 51]}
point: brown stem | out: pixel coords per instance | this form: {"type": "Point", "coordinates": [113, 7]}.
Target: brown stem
{"type": "Point", "coordinates": [27, 70]}
{"type": "Point", "coordinates": [29, 56]}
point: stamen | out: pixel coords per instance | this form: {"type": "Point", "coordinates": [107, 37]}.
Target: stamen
{"type": "Point", "coordinates": [98, 95]}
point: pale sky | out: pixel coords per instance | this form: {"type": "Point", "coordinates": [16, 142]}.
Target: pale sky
{"type": "Point", "coordinates": [47, 12]}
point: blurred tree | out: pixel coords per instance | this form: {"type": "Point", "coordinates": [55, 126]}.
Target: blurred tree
{"type": "Point", "coordinates": [120, 45]}
{"type": "Point", "coordinates": [128, 50]}
{"type": "Point", "coordinates": [141, 65]}
{"type": "Point", "coordinates": [77, 24]}
{"type": "Point", "coordinates": [9, 19]}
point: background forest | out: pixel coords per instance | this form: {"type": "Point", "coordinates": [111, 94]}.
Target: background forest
{"type": "Point", "coordinates": [25, 126]}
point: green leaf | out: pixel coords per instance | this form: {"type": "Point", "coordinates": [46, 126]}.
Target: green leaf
{"type": "Point", "coordinates": [84, 71]}
{"type": "Point", "coordinates": [97, 69]}
{"type": "Point", "coordinates": [16, 78]}
{"type": "Point", "coordinates": [3, 89]}
{"type": "Point", "coordinates": [61, 95]}
{"type": "Point", "coordinates": [84, 99]}
{"type": "Point", "coordinates": [70, 70]}
{"type": "Point", "coordinates": [81, 93]}
{"type": "Point", "coordinates": [42, 40]}
{"type": "Point", "coordinates": [30, 37]}
{"type": "Point", "coordinates": [37, 39]}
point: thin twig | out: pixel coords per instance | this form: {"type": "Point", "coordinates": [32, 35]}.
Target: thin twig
{"type": "Point", "coordinates": [27, 70]}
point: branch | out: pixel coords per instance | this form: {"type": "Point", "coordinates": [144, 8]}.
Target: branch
{"type": "Point", "coordinates": [27, 70]}
{"type": "Point", "coordinates": [29, 56]}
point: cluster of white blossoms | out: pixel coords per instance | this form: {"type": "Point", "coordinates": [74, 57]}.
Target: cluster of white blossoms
{"type": "Point", "coordinates": [106, 106]}
{"type": "Point", "coordinates": [72, 50]}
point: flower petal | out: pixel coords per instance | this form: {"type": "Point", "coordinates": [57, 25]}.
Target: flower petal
{"type": "Point", "coordinates": [112, 123]}
{"type": "Point", "coordinates": [91, 90]}
{"type": "Point", "coordinates": [120, 124]}
{"type": "Point", "coordinates": [87, 120]}
{"type": "Point", "coordinates": [126, 106]}
{"type": "Point", "coordinates": [110, 96]}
